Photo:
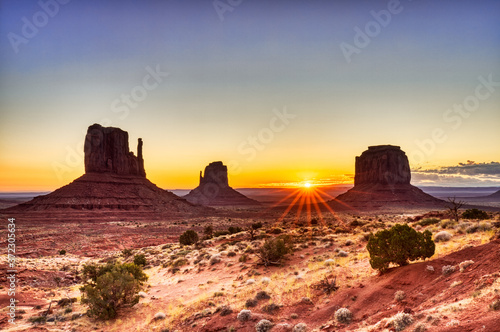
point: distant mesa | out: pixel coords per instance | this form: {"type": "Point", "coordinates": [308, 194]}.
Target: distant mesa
{"type": "Point", "coordinates": [214, 189]}
{"type": "Point", "coordinates": [382, 179]}
{"type": "Point", "coordinates": [114, 179]}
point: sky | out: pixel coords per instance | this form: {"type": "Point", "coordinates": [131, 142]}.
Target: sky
{"type": "Point", "coordinates": [282, 92]}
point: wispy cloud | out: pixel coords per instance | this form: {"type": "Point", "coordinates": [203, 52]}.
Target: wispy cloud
{"type": "Point", "coordinates": [469, 173]}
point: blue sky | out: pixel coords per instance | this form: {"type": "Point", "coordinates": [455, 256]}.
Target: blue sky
{"type": "Point", "coordinates": [225, 78]}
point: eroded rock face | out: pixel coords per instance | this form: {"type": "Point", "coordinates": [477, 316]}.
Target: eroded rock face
{"type": "Point", "coordinates": [107, 151]}
{"type": "Point", "coordinates": [382, 164]}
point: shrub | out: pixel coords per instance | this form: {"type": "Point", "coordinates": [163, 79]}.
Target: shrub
{"type": "Point", "coordinates": [208, 231]}
{"type": "Point", "coordinates": [126, 252]}
{"type": "Point", "coordinates": [442, 236]}
{"type": "Point", "coordinates": [37, 320]}
{"type": "Point", "coordinates": [274, 249]}
{"type": "Point", "coordinates": [234, 230]}
{"type": "Point", "coordinates": [263, 326]}
{"type": "Point", "coordinates": [220, 233]}
{"type": "Point", "coordinates": [215, 259]}
{"type": "Point", "coordinates": [252, 230]}
{"type": "Point", "coordinates": [343, 315]}
{"type": "Point", "coordinates": [448, 269]}
{"type": "Point", "coordinates": [465, 264]}
{"type": "Point", "coordinates": [140, 260]}
{"type": "Point", "coordinates": [300, 327]}
{"type": "Point", "coordinates": [262, 295]}
{"type": "Point", "coordinates": [159, 316]}
{"type": "Point", "coordinates": [62, 252]}
{"type": "Point", "coordinates": [188, 237]}
{"type": "Point", "coordinates": [495, 305]}
{"type": "Point", "coordinates": [482, 227]}
{"type": "Point", "coordinates": [401, 320]}
{"type": "Point", "coordinates": [108, 288]}
{"type": "Point", "coordinates": [475, 214]}
{"type": "Point", "coordinates": [399, 245]}
{"type": "Point", "coordinates": [428, 221]}
{"type": "Point", "coordinates": [399, 296]}
{"type": "Point", "coordinates": [244, 315]}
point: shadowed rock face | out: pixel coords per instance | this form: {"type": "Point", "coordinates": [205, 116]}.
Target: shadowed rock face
{"type": "Point", "coordinates": [214, 189]}
{"type": "Point", "coordinates": [107, 151]}
{"type": "Point", "coordinates": [383, 164]}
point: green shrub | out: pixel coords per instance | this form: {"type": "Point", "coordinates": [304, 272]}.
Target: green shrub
{"type": "Point", "coordinates": [110, 287]}
{"type": "Point", "coordinates": [428, 221]}
{"type": "Point", "coordinates": [475, 214]}
{"type": "Point", "coordinates": [274, 249]}
{"type": "Point", "coordinates": [188, 237]}
{"type": "Point", "coordinates": [140, 260]}
{"type": "Point", "coordinates": [208, 231]}
{"type": "Point", "coordinates": [234, 230]}
{"type": "Point", "coordinates": [399, 245]}
{"type": "Point", "coordinates": [220, 233]}
{"type": "Point", "coordinates": [126, 252]}
{"type": "Point", "coordinates": [62, 252]}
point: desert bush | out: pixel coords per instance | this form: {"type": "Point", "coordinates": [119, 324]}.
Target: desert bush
{"type": "Point", "coordinates": [231, 254]}
{"type": "Point", "coordinates": [262, 295]}
{"type": "Point", "coordinates": [215, 259]}
{"type": "Point", "coordinates": [188, 237]}
{"type": "Point", "coordinates": [465, 264]}
{"type": "Point", "coordinates": [428, 221]}
{"type": "Point", "coordinates": [300, 327]}
{"type": "Point", "coordinates": [401, 320]}
{"type": "Point", "coordinates": [243, 258]}
{"type": "Point", "coordinates": [399, 245]}
{"type": "Point", "coordinates": [110, 287]}
{"type": "Point", "coordinates": [495, 305]}
{"type": "Point", "coordinates": [159, 316]}
{"type": "Point", "coordinates": [37, 320]}
{"type": "Point", "coordinates": [420, 328]}
{"type": "Point", "coordinates": [208, 231]}
{"type": "Point", "coordinates": [234, 230]}
{"type": "Point", "coordinates": [399, 296]}
{"type": "Point", "coordinates": [343, 315]}
{"type": "Point", "coordinates": [448, 224]}
{"type": "Point", "coordinates": [140, 260]}
{"type": "Point", "coordinates": [448, 269]}
{"type": "Point", "coordinates": [271, 308]}
{"type": "Point", "coordinates": [252, 230]}
{"type": "Point", "coordinates": [482, 227]}
{"type": "Point", "coordinates": [62, 252]}
{"type": "Point", "coordinates": [251, 303]}
{"type": "Point", "coordinates": [442, 236]}
{"type": "Point", "coordinates": [244, 315]}
{"type": "Point", "coordinates": [263, 326]}
{"type": "Point", "coordinates": [127, 252]}
{"type": "Point", "coordinates": [475, 214]}
{"type": "Point", "coordinates": [274, 250]}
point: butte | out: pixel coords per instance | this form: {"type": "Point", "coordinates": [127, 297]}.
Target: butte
{"type": "Point", "coordinates": [114, 181]}
{"type": "Point", "coordinates": [214, 189]}
{"type": "Point", "coordinates": [382, 180]}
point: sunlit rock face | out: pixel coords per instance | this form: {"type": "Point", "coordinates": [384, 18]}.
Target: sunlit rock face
{"type": "Point", "coordinates": [107, 151]}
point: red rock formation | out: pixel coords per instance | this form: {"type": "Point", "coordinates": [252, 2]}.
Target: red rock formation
{"type": "Point", "coordinates": [107, 151]}
{"type": "Point", "coordinates": [214, 189]}
{"type": "Point", "coordinates": [382, 180]}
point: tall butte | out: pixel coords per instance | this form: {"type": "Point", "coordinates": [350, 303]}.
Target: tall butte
{"type": "Point", "coordinates": [114, 180]}
{"type": "Point", "coordinates": [214, 189]}
{"type": "Point", "coordinates": [382, 180]}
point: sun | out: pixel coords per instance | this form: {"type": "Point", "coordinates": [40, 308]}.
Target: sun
{"type": "Point", "coordinates": [307, 185]}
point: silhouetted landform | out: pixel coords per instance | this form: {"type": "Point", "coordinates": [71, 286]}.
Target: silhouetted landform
{"type": "Point", "coordinates": [214, 189]}
{"type": "Point", "coordinates": [495, 195]}
{"type": "Point", "coordinates": [114, 179]}
{"type": "Point", "coordinates": [382, 179]}
{"type": "Point", "coordinates": [107, 151]}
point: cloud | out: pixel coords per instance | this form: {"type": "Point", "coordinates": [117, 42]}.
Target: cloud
{"type": "Point", "coordinates": [469, 173]}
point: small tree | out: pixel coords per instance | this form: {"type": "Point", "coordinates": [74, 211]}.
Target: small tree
{"type": "Point", "coordinates": [208, 231]}
{"type": "Point", "coordinates": [453, 208]}
{"type": "Point", "coordinates": [110, 287]}
{"type": "Point", "coordinates": [399, 245]}
{"type": "Point", "coordinates": [274, 249]}
{"type": "Point", "coordinates": [188, 237]}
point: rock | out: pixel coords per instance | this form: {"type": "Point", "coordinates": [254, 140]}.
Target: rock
{"type": "Point", "coordinates": [382, 164]}
{"type": "Point", "coordinates": [107, 151]}
{"type": "Point", "coordinates": [214, 189]}
{"type": "Point", "coordinates": [382, 180]}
